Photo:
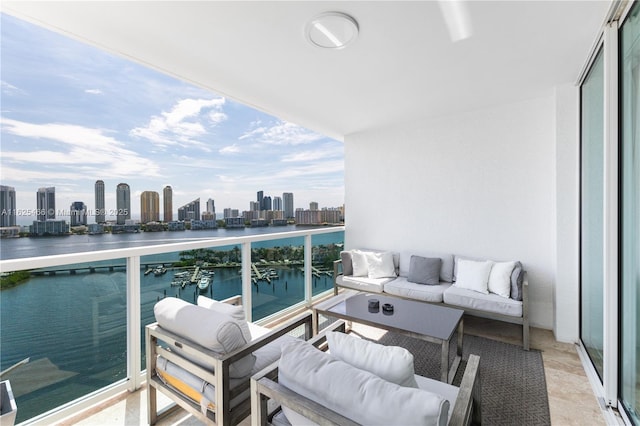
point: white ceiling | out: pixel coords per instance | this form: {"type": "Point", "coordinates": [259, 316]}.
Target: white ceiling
{"type": "Point", "coordinates": [403, 65]}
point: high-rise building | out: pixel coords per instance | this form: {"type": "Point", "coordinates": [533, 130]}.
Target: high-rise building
{"type": "Point", "coordinates": [277, 203]}
{"type": "Point", "coordinates": [287, 198]}
{"type": "Point", "coordinates": [313, 205]}
{"type": "Point", "coordinates": [100, 207]}
{"type": "Point", "coordinates": [7, 206]}
{"type": "Point", "coordinates": [149, 207]}
{"type": "Point", "coordinates": [266, 203]}
{"type": "Point", "coordinates": [167, 202]}
{"type": "Point", "coordinates": [230, 213]}
{"type": "Point", "coordinates": [211, 207]}
{"type": "Point", "coordinates": [260, 197]}
{"type": "Point", "coordinates": [123, 203]}
{"type": "Point", "coordinates": [190, 211]}
{"type": "Point", "coordinates": [78, 213]}
{"type": "Point", "coordinates": [46, 203]}
{"type": "Point", "coordinates": [254, 206]}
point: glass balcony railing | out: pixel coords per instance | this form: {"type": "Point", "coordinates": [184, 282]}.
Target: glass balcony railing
{"type": "Point", "coordinates": [80, 318]}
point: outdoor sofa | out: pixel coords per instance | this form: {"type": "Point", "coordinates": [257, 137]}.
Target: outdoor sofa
{"type": "Point", "coordinates": [481, 287]}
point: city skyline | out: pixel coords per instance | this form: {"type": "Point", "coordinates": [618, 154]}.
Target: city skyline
{"type": "Point", "coordinates": [72, 115]}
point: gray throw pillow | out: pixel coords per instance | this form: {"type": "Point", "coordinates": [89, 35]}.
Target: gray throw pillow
{"type": "Point", "coordinates": [347, 266]}
{"type": "Point", "coordinates": [424, 270]}
{"type": "Point", "coordinates": [516, 282]}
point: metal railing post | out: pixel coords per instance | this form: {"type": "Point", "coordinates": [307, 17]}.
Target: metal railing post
{"type": "Point", "coordinates": [246, 280]}
{"type": "Point", "coordinates": [134, 347]}
{"type": "Point", "coordinates": [308, 272]}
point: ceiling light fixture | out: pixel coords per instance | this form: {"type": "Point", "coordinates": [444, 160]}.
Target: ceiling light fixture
{"type": "Point", "coordinates": [332, 30]}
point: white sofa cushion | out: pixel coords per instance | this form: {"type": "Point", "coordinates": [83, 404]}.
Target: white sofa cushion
{"type": "Point", "coordinates": [425, 293]}
{"type": "Point", "coordinates": [445, 390]}
{"type": "Point", "coordinates": [474, 275]}
{"type": "Point", "coordinates": [356, 394]}
{"type": "Point", "coordinates": [371, 285]}
{"type": "Point", "coordinates": [391, 363]}
{"type": "Point", "coordinates": [446, 269]}
{"type": "Point", "coordinates": [500, 278]}
{"type": "Point", "coordinates": [465, 298]}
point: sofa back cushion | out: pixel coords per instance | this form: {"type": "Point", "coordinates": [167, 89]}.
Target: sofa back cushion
{"type": "Point", "coordinates": [424, 270]}
{"type": "Point", "coordinates": [354, 393]}
{"type": "Point", "coordinates": [446, 268]}
{"type": "Point", "coordinates": [381, 269]}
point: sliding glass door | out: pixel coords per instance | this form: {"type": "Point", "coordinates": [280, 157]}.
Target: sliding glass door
{"type": "Point", "coordinates": [591, 212]}
{"type": "Point", "coordinates": [630, 214]}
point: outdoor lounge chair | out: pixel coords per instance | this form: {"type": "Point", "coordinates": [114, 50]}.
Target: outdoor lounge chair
{"type": "Point", "coordinates": [202, 357]}
{"type": "Point", "coordinates": [328, 389]}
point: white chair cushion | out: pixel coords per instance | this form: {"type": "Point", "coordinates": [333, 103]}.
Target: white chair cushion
{"type": "Point", "coordinates": [234, 311]}
{"type": "Point", "coordinates": [356, 394]}
{"type": "Point", "coordinates": [426, 293]}
{"type": "Point", "coordinates": [463, 298]}
{"type": "Point", "coordinates": [391, 363]}
{"type": "Point", "coordinates": [208, 328]}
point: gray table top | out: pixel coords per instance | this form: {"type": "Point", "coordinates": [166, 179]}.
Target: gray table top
{"type": "Point", "coordinates": [417, 317]}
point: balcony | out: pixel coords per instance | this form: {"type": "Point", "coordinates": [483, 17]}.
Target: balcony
{"type": "Point", "coordinates": [108, 298]}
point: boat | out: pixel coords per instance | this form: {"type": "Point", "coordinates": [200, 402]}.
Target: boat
{"type": "Point", "coordinates": [183, 274]}
{"type": "Point", "coordinates": [203, 284]}
{"type": "Point", "coordinates": [159, 270]}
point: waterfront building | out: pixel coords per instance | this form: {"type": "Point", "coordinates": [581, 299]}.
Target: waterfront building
{"type": "Point", "coordinates": [277, 203]}
{"type": "Point", "coordinates": [197, 225]}
{"type": "Point", "coordinates": [100, 213]}
{"type": "Point", "coordinates": [9, 232]}
{"type": "Point", "coordinates": [149, 207]}
{"type": "Point", "coordinates": [228, 212]}
{"type": "Point", "coordinates": [78, 213]}
{"type": "Point", "coordinates": [153, 227]}
{"type": "Point", "coordinates": [330, 215]}
{"type": "Point", "coordinates": [49, 227]}
{"type": "Point", "coordinates": [258, 223]}
{"type": "Point", "coordinates": [167, 201]}
{"type": "Point", "coordinates": [128, 227]}
{"type": "Point", "coordinates": [208, 216]}
{"type": "Point", "coordinates": [313, 206]}
{"type": "Point", "coordinates": [308, 217]}
{"type": "Point", "coordinates": [190, 211]}
{"type": "Point", "coordinates": [249, 215]}
{"type": "Point", "coordinates": [123, 203]}
{"type": "Point", "coordinates": [287, 198]}
{"type": "Point", "coordinates": [96, 228]}
{"type": "Point", "coordinates": [279, 222]}
{"type": "Point", "coordinates": [7, 206]}
{"type": "Point", "coordinates": [234, 222]}
{"type": "Point", "coordinates": [254, 206]}
{"type": "Point", "coordinates": [46, 203]}
{"type": "Point", "coordinates": [175, 225]}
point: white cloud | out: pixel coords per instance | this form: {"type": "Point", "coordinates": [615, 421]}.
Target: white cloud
{"type": "Point", "coordinates": [231, 149]}
{"type": "Point", "coordinates": [184, 124]}
{"type": "Point", "coordinates": [90, 149]}
{"type": "Point", "coordinates": [93, 91]}
{"type": "Point", "coordinates": [281, 133]}
{"type": "Point", "coordinates": [10, 88]}
{"type": "Point", "coordinates": [307, 156]}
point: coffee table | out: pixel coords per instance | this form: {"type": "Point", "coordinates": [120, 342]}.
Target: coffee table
{"type": "Point", "coordinates": [419, 320]}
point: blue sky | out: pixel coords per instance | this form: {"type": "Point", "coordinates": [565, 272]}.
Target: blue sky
{"type": "Point", "coordinates": [72, 114]}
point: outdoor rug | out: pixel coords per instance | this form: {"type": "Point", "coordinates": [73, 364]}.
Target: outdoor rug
{"type": "Point", "coordinates": [513, 389]}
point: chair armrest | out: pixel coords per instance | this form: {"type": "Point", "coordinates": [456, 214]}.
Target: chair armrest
{"type": "Point", "coordinates": [467, 404]}
{"type": "Point", "coordinates": [233, 300]}
{"type": "Point", "coordinates": [337, 267]}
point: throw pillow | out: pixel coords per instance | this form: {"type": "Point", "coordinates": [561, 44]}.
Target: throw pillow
{"type": "Point", "coordinates": [473, 275]}
{"type": "Point", "coordinates": [347, 266]}
{"type": "Point", "coordinates": [516, 282]}
{"type": "Point", "coordinates": [500, 278]}
{"type": "Point", "coordinates": [380, 265]}
{"type": "Point", "coordinates": [391, 363]}
{"type": "Point", "coordinates": [424, 270]}
{"type": "Point", "coordinates": [359, 262]}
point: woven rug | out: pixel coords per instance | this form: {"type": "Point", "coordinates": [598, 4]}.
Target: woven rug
{"type": "Point", "coordinates": [513, 389]}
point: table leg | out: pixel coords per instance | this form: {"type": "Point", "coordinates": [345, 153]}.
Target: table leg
{"type": "Point", "coordinates": [444, 362]}
{"type": "Point", "coordinates": [314, 322]}
{"type": "Point", "coordinates": [460, 335]}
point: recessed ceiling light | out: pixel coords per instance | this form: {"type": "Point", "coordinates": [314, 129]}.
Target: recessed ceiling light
{"type": "Point", "coordinates": [332, 30]}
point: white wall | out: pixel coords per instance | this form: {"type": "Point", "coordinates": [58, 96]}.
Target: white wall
{"type": "Point", "coordinates": [480, 183]}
